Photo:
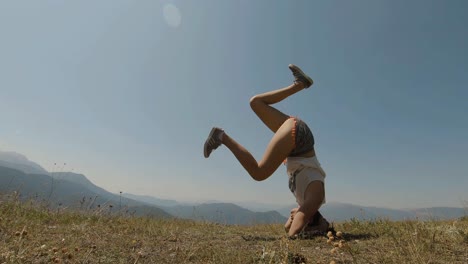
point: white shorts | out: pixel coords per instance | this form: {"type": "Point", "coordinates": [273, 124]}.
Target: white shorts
{"type": "Point", "coordinates": [301, 172]}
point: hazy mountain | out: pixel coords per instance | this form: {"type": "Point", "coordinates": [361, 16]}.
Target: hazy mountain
{"type": "Point", "coordinates": [76, 191]}
{"type": "Point", "coordinates": [81, 180]}
{"type": "Point", "coordinates": [68, 193]}
{"type": "Point", "coordinates": [343, 211]}
{"type": "Point", "coordinates": [151, 200]}
{"type": "Point", "coordinates": [439, 212]}
{"type": "Point", "coordinates": [225, 213]}
{"type": "Point", "coordinates": [20, 162]}
{"type": "Point", "coordinates": [212, 211]}
{"type": "Point", "coordinates": [260, 207]}
{"type": "Point", "coordinates": [334, 211]}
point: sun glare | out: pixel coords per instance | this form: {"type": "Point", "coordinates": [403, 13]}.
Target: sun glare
{"type": "Point", "coordinates": [172, 15]}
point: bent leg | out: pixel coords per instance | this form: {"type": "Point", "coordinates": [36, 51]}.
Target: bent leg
{"type": "Point", "coordinates": [312, 201]}
{"type": "Point", "coordinates": [277, 150]}
{"type": "Point", "coordinates": [272, 117]}
{"type": "Point", "coordinates": [287, 226]}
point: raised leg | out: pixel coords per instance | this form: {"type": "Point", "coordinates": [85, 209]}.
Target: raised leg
{"type": "Point", "coordinates": [272, 117]}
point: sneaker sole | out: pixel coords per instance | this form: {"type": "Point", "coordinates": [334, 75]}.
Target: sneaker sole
{"type": "Point", "coordinates": [292, 66]}
{"type": "Point", "coordinates": [205, 153]}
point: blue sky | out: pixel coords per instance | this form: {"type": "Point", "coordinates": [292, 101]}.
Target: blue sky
{"type": "Point", "coordinates": [126, 92]}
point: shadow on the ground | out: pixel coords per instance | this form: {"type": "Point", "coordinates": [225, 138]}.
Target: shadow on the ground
{"type": "Point", "coordinates": [345, 236]}
{"type": "Point", "coordinates": [311, 235]}
{"type": "Point", "coordinates": [364, 236]}
{"type": "Point", "coordinates": [260, 238]}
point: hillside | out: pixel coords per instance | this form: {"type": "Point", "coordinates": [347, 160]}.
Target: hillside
{"type": "Point", "coordinates": [72, 190]}
{"type": "Point", "coordinates": [151, 200]}
{"type": "Point", "coordinates": [216, 212]}
{"type": "Point", "coordinates": [20, 162]}
{"type": "Point", "coordinates": [29, 234]}
{"type": "Point", "coordinates": [225, 213]}
{"type": "Point", "coordinates": [61, 192]}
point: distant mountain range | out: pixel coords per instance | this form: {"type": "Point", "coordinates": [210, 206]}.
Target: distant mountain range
{"type": "Point", "coordinates": [67, 189]}
{"type": "Point", "coordinates": [61, 192]}
{"type": "Point", "coordinates": [224, 213]}
{"type": "Point", "coordinates": [72, 190]}
{"type": "Point", "coordinates": [217, 212]}
{"type": "Point", "coordinates": [335, 211]}
{"type": "Point", "coordinates": [151, 200]}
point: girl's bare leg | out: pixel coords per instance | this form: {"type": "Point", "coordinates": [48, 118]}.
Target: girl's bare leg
{"type": "Point", "coordinates": [272, 117]}
{"type": "Point", "coordinates": [277, 150]}
{"type": "Point", "coordinates": [280, 145]}
{"type": "Point", "coordinates": [288, 224]}
{"type": "Point", "coordinates": [312, 201]}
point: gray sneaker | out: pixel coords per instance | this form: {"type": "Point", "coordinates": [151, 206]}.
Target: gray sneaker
{"type": "Point", "coordinates": [300, 76]}
{"type": "Point", "coordinates": [213, 141]}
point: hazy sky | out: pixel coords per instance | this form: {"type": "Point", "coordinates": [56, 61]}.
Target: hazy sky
{"type": "Point", "coordinates": [126, 92]}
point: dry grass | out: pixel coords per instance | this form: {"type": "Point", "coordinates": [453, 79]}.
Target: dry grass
{"type": "Point", "coordinates": [32, 234]}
